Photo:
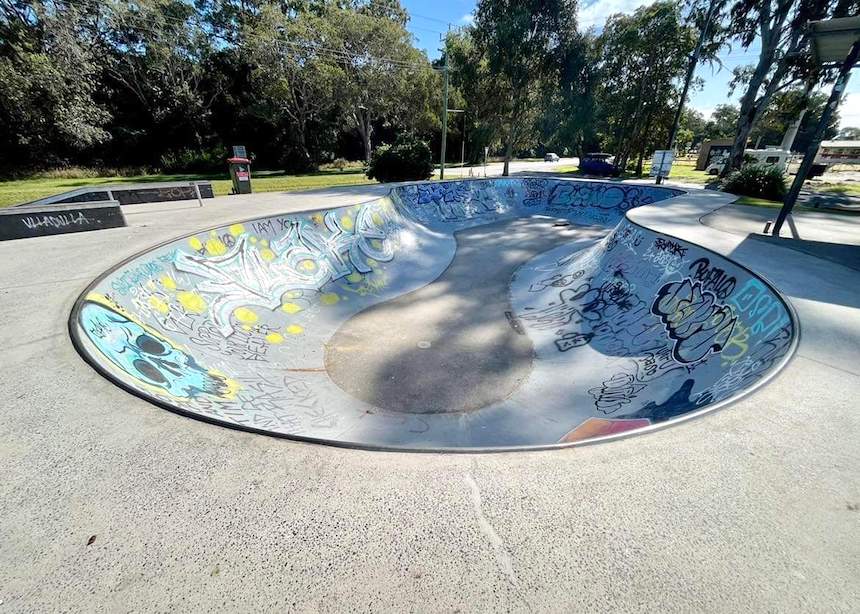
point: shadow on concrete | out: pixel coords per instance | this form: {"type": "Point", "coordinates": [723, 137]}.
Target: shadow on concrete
{"type": "Point", "coordinates": [452, 345]}
{"type": "Point", "coordinates": [827, 277]}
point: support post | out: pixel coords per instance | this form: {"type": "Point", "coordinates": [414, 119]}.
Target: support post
{"type": "Point", "coordinates": [815, 143]}
{"type": "Point", "coordinates": [197, 193]}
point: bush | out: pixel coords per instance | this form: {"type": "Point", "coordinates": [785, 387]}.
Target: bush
{"type": "Point", "coordinates": [757, 180]}
{"type": "Point", "coordinates": [194, 161]}
{"type": "Point", "coordinates": [409, 159]}
{"type": "Point", "coordinates": [339, 164]}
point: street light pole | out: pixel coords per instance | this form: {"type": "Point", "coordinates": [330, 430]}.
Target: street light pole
{"type": "Point", "coordinates": [444, 115]}
{"type": "Point", "coordinates": [463, 146]}
{"type": "Point", "coordinates": [691, 70]}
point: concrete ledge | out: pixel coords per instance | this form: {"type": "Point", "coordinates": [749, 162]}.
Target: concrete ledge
{"type": "Point", "coordinates": [39, 221]}
{"type": "Point", "coordinates": [131, 193]}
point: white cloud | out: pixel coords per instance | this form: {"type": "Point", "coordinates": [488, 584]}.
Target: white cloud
{"type": "Point", "coordinates": [849, 110]}
{"type": "Point", "coordinates": [596, 13]}
{"type": "Point", "coordinates": [467, 19]}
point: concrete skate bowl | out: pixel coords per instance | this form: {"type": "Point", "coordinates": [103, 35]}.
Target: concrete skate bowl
{"type": "Point", "coordinates": [459, 316]}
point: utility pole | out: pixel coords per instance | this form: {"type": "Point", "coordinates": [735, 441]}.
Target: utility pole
{"type": "Point", "coordinates": [691, 70]}
{"type": "Point", "coordinates": [463, 145]}
{"type": "Point", "coordinates": [444, 112]}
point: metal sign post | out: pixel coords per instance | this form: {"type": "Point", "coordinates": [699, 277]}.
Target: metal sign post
{"type": "Point", "coordinates": [661, 164]}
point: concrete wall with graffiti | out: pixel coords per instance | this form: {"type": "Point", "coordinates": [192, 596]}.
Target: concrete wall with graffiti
{"type": "Point", "coordinates": [230, 324]}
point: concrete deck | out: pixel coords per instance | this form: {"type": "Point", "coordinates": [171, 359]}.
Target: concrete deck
{"type": "Point", "coordinates": [752, 508]}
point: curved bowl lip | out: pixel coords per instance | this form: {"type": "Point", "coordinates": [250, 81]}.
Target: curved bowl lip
{"type": "Point", "coordinates": [77, 342]}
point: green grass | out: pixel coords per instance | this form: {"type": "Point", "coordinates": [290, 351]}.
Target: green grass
{"type": "Point", "coordinates": [759, 202]}
{"type": "Point", "coordinates": [18, 191]}
{"type": "Point", "coordinates": [847, 188]}
{"type": "Point", "coordinates": [683, 171]}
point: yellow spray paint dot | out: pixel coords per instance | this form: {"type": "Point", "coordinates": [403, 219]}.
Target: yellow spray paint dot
{"type": "Point", "coordinates": [377, 219]}
{"type": "Point", "coordinates": [275, 338]}
{"type": "Point", "coordinates": [329, 298]}
{"type": "Point", "coordinates": [376, 244]}
{"type": "Point", "coordinates": [192, 302]}
{"type": "Point", "coordinates": [216, 247]}
{"type": "Point", "coordinates": [290, 308]}
{"type": "Point", "coordinates": [253, 239]}
{"type": "Point", "coordinates": [245, 315]}
{"type": "Point", "coordinates": [354, 277]}
{"type": "Point", "coordinates": [267, 254]}
{"type": "Point", "coordinates": [168, 282]}
{"type": "Point", "coordinates": [371, 262]}
{"type": "Point", "coordinates": [236, 229]}
{"type": "Point", "coordinates": [195, 243]}
{"type": "Point", "coordinates": [317, 218]}
{"type": "Point", "coordinates": [264, 242]}
{"type": "Point", "coordinates": [294, 294]}
{"type": "Point", "coordinates": [346, 222]}
{"type": "Point", "coordinates": [158, 304]}
{"type": "Point", "coordinates": [294, 329]}
{"type": "Point", "coordinates": [308, 265]}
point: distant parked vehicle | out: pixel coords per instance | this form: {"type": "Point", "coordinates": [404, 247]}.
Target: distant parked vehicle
{"type": "Point", "coordinates": [601, 164]}
{"type": "Point", "coordinates": [551, 157]}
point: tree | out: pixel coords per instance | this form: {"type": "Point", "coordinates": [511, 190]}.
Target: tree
{"type": "Point", "coordinates": [381, 74]}
{"type": "Point", "coordinates": [783, 111]}
{"type": "Point", "coordinates": [723, 122]}
{"type": "Point", "coordinates": [692, 127]}
{"type": "Point", "coordinates": [156, 55]}
{"type": "Point", "coordinates": [519, 41]}
{"type": "Point", "coordinates": [294, 77]}
{"type": "Point", "coordinates": [49, 78]}
{"type": "Point", "coordinates": [779, 28]}
{"type": "Point", "coordinates": [472, 89]}
{"type": "Point", "coordinates": [644, 54]}
{"type": "Point", "coordinates": [567, 120]}
{"type": "Point", "coordinates": [849, 133]}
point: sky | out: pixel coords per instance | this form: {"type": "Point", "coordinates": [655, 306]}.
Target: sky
{"type": "Point", "coordinates": [430, 18]}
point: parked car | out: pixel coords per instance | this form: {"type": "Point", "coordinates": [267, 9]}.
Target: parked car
{"type": "Point", "coordinates": [550, 157]}
{"type": "Point", "coordinates": [601, 164]}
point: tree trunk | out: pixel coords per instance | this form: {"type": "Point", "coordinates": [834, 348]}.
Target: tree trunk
{"type": "Point", "coordinates": [509, 148]}
{"type": "Point", "coordinates": [365, 138]}
{"type": "Point", "coordinates": [364, 127]}
{"type": "Point", "coordinates": [752, 106]}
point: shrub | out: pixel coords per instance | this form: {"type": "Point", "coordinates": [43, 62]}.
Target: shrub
{"type": "Point", "coordinates": [409, 159]}
{"type": "Point", "coordinates": [339, 164]}
{"type": "Point", "coordinates": [757, 180]}
{"type": "Point", "coordinates": [194, 161]}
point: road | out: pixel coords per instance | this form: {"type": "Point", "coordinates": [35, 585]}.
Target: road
{"type": "Point", "coordinates": [494, 169]}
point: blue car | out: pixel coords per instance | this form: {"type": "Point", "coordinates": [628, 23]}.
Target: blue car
{"type": "Point", "coordinates": [599, 164]}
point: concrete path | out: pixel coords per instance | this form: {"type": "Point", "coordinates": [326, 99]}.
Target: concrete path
{"type": "Point", "coordinates": [826, 235]}
{"type": "Point", "coordinates": [111, 504]}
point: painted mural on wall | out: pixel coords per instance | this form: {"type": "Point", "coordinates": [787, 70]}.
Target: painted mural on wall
{"type": "Point", "coordinates": [231, 323]}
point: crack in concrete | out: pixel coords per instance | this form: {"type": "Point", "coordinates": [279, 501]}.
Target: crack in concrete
{"type": "Point", "coordinates": [503, 556]}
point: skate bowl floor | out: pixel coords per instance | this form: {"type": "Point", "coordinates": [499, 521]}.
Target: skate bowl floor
{"type": "Point", "coordinates": [457, 316]}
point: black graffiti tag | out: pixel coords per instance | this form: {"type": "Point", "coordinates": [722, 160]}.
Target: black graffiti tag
{"type": "Point", "coordinates": [693, 320]}
{"type": "Point", "coordinates": [713, 279]}
{"type": "Point", "coordinates": [615, 392]}
{"type": "Point", "coordinates": [568, 341]}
